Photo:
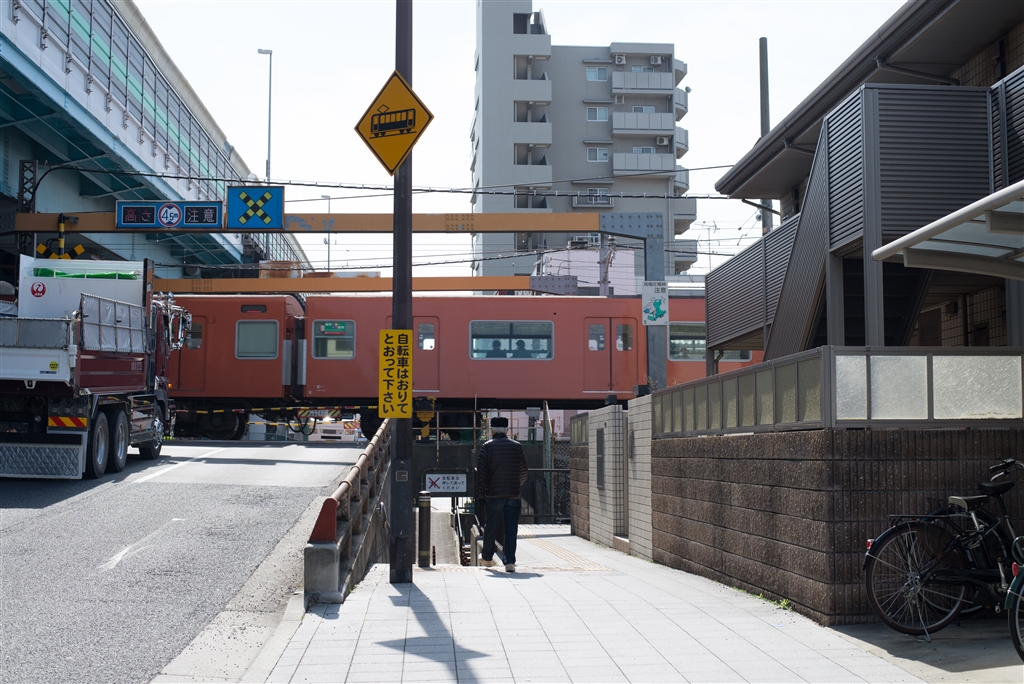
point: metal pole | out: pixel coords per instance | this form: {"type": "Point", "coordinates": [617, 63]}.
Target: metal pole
{"type": "Point", "coordinates": [766, 216]}
{"type": "Point", "coordinates": [603, 256]}
{"type": "Point", "coordinates": [423, 503]}
{"type": "Point", "coordinates": [400, 547]}
{"type": "Point", "coordinates": [329, 225]}
{"type": "Point", "coordinates": [270, 99]}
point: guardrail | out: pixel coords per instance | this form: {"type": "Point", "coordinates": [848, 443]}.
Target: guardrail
{"type": "Point", "coordinates": [331, 565]}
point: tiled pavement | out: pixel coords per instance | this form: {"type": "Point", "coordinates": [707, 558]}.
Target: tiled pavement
{"type": "Point", "coordinates": [573, 612]}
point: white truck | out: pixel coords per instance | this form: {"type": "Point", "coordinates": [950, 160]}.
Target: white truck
{"type": "Point", "coordinates": [83, 368]}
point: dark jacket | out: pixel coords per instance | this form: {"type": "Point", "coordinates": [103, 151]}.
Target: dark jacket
{"type": "Point", "coordinates": [500, 469]}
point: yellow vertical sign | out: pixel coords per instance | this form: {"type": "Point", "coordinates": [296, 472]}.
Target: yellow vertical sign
{"type": "Point", "coordinates": [394, 399]}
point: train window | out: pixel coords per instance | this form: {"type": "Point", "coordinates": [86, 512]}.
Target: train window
{"type": "Point", "coordinates": [425, 336]}
{"type": "Point", "coordinates": [195, 336]}
{"type": "Point", "coordinates": [334, 339]}
{"type": "Point", "coordinates": [511, 339]}
{"type": "Point", "coordinates": [624, 337]}
{"type": "Point", "coordinates": [256, 340]}
{"type": "Point", "coordinates": [686, 342]}
{"type": "Point", "coordinates": [595, 337]}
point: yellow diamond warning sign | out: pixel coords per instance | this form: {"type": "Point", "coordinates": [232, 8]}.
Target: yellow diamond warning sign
{"type": "Point", "coordinates": [393, 123]}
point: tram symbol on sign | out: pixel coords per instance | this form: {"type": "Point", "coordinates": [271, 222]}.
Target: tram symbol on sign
{"type": "Point", "coordinates": [402, 122]}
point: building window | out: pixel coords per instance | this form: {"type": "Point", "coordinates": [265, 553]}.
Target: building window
{"type": "Point", "coordinates": [643, 109]}
{"type": "Point", "coordinates": [256, 340]}
{"type": "Point", "coordinates": [686, 342]}
{"type": "Point", "coordinates": [597, 154]}
{"type": "Point", "coordinates": [511, 339]}
{"type": "Point", "coordinates": [598, 196]}
{"type": "Point", "coordinates": [643, 70]}
{"type": "Point", "coordinates": [334, 339]}
{"type": "Point", "coordinates": [597, 113]}
{"type": "Point", "coordinates": [597, 73]}
{"type": "Point", "coordinates": [643, 150]}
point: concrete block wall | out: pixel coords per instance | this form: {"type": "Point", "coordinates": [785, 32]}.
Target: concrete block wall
{"type": "Point", "coordinates": [639, 467]}
{"type": "Point", "coordinates": [787, 514]}
{"type": "Point", "coordinates": [606, 504]}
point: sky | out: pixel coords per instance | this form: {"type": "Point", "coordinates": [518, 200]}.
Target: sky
{"type": "Point", "coordinates": [332, 57]}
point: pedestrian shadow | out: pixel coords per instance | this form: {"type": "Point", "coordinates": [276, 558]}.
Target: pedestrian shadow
{"type": "Point", "coordinates": [438, 644]}
{"type": "Point", "coordinates": [501, 574]}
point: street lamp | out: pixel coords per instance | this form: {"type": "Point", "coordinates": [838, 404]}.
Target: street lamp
{"type": "Point", "coordinates": [270, 84]}
{"type": "Point", "coordinates": [327, 240]}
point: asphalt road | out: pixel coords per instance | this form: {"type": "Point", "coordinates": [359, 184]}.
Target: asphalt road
{"type": "Point", "coordinates": [109, 580]}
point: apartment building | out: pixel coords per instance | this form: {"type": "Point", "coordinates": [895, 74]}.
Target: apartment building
{"type": "Point", "coordinates": [597, 125]}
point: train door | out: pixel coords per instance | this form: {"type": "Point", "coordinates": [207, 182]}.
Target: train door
{"type": "Point", "coordinates": [192, 359]}
{"type": "Point", "coordinates": [597, 360]}
{"type": "Point", "coordinates": [426, 357]}
{"type": "Point", "coordinates": [625, 358]}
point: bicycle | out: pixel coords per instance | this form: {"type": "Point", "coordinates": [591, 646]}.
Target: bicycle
{"type": "Point", "coordinates": [1014, 604]}
{"type": "Point", "coordinates": [924, 571]}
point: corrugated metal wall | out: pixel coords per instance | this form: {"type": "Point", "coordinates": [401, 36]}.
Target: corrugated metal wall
{"type": "Point", "coordinates": [846, 170]}
{"type": "Point", "coordinates": [933, 153]}
{"type": "Point", "coordinates": [778, 245]}
{"type": "Point", "coordinates": [734, 296]}
{"type": "Point", "coordinates": [1008, 115]}
{"type": "Point", "coordinates": [805, 274]}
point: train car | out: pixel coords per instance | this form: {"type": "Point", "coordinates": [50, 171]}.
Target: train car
{"type": "Point", "coordinates": [238, 355]}
{"type": "Point", "coordinates": [269, 354]}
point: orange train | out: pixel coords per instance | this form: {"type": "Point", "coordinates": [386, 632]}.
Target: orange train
{"type": "Point", "coordinates": [269, 354]}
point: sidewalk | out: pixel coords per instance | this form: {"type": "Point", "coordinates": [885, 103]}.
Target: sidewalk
{"type": "Point", "coordinates": [578, 612]}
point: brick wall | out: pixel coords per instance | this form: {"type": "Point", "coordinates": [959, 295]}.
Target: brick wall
{"type": "Point", "coordinates": [640, 543]}
{"type": "Point", "coordinates": [579, 491]}
{"type": "Point", "coordinates": [787, 514]}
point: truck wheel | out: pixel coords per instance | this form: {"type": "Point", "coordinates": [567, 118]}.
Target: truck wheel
{"type": "Point", "coordinates": [119, 437]}
{"type": "Point", "coordinates": [99, 441]}
{"type": "Point", "coordinates": [151, 450]}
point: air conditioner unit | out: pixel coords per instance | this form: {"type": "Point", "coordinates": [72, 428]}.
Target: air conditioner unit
{"type": "Point", "coordinates": [664, 140]}
{"type": "Point", "coordinates": [656, 60]}
{"type": "Point", "coordinates": [620, 59]}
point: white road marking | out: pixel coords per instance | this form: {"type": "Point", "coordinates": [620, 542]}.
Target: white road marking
{"type": "Point", "coordinates": [176, 465]}
{"type": "Point", "coordinates": [132, 549]}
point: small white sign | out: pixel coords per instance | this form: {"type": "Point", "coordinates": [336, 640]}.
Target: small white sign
{"type": "Point", "coordinates": [655, 302]}
{"type": "Point", "coordinates": [447, 483]}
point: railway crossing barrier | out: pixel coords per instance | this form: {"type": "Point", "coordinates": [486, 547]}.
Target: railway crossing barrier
{"type": "Point", "coordinates": [349, 534]}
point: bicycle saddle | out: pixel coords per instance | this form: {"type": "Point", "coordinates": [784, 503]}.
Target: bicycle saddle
{"type": "Point", "coordinates": [968, 503]}
{"type": "Point", "coordinates": [995, 488]}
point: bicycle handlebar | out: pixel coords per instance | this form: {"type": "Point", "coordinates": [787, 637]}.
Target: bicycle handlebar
{"type": "Point", "coordinates": [1003, 467]}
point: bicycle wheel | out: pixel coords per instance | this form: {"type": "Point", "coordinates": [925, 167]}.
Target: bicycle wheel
{"type": "Point", "coordinates": [1016, 618]}
{"type": "Point", "coordinates": [906, 580]}
{"type": "Point", "coordinates": [996, 545]}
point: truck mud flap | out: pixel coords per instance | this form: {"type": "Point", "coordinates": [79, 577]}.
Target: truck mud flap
{"type": "Point", "coordinates": [56, 457]}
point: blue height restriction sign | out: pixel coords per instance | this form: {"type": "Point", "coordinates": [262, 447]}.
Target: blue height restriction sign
{"type": "Point", "coordinates": [170, 215]}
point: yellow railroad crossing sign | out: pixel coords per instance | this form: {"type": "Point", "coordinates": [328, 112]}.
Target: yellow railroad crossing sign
{"type": "Point", "coordinates": [393, 123]}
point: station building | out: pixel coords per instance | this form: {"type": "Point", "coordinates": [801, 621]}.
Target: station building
{"type": "Point", "coordinates": [587, 122]}
{"type": "Point", "coordinates": [89, 102]}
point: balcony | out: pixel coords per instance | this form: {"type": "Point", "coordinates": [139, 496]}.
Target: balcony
{"type": "Point", "coordinates": [679, 69]}
{"type": "Point", "coordinates": [681, 102]}
{"type": "Point", "coordinates": [684, 254]}
{"type": "Point", "coordinates": [537, 46]}
{"type": "Point", "coordinates": [625, 164]}
{"type": "Point", "coordinates": [527, 175]}
{"type": "Point", "coordinates": [682, 141]}
{"type": "Point", "coordinates": [593, 202]}
{"type": "Point", "coordinates": [532, 133]}
{"type": "Point", "coordinates": [682, 180]}
{"type": "Point", "coordinates": [684, 212]}
{"type": "Point", "coordinates": [624, 123]}
{"type": "Point", "coordinates": [534, 90]}
{"type": "Point", "coordinates": [629, 83]}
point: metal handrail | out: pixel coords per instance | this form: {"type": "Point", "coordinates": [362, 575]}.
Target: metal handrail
{"type": "Point", "coordinates": [338, 506]}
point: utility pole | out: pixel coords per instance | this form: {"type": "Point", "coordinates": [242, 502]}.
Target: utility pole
{"type": "Point", "coordinates": [766, 215]}
{"type": "Point", "coordinates": [401, 547]}
{"type": "Point", "coordinates": [603, 265]}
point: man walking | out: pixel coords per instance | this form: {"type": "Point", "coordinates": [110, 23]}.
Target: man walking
{"type": "Point", "coordinates": [500, 474]}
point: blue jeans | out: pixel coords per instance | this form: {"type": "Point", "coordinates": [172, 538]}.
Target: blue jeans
{"type": "Point", "coordinates": [498, 511]}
